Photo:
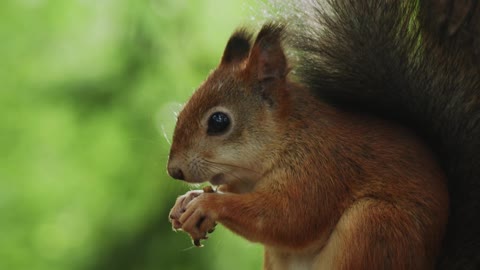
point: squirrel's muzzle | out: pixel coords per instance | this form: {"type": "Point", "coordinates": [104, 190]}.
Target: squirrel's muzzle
{"type": "Point", "coordinates": [174, 167]}
{"type": "Point", "coordinates": [176, 173]}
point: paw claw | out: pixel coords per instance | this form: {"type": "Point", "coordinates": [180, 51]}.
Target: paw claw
{"type": "Point", "coordinates": [197, 243]}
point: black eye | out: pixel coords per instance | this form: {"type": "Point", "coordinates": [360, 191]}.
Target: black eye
{"type": "Point", "coordinates": [218, 123]}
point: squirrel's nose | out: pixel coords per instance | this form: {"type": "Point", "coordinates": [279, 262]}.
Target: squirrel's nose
{"type": "Point", "coordinates": [176, 173]}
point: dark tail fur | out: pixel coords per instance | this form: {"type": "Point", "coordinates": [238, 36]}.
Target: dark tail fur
{"type": "Point", "coordinates": [401, 60]}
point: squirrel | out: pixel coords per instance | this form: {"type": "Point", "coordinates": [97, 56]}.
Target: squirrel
{"type": "Point", "coordinates": [363, 152]}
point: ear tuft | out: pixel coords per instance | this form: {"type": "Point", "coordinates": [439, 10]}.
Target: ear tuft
{"type": "Point", "coordinates": [267, 58]}
{"type": "Point", "coordinates": [270, 35]}
{"type": "Point", "coordinates": [238, 47]}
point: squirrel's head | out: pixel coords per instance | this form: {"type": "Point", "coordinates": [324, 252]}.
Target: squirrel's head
{"type": "Point", "coordinates": [228, 131]}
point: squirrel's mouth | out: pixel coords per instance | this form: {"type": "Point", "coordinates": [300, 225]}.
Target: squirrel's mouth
{"type": "Point", "coordinates": [218, 179]}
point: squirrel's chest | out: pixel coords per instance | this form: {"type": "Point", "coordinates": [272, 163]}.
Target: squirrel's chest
{"type": "Point", "coordinates": [275, 260]}
{"type": "Point", "coordinates": [300, 263]}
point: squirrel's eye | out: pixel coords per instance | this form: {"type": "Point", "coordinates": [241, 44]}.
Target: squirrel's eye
{"type": "Point", "coordinates": [218, 123]}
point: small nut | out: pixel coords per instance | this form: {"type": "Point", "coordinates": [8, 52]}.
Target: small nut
{"type": "Point", "coordinates": [208, 189]}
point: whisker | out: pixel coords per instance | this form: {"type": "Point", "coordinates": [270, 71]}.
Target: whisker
{"type": "Point", "coordinates": [231, 165]}
{"type": "Point", "coordinates": [165, 135]}
{"type": "Point", "coordinates": [188, 248]}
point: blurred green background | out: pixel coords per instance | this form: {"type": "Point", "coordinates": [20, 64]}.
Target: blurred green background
{"type": "Point", "coordinates": [88, 91]}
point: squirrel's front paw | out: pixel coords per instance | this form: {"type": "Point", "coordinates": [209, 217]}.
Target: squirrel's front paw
{"type": "Point", "coordinates": [181, 206]}
{"type": "Point", "coordinates": [199, 219]}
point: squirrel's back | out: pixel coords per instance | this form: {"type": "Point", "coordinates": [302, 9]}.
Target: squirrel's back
{"type": "Point", "coordinates": [410, 62]}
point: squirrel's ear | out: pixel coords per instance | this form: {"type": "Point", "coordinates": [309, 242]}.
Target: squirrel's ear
{"type": "Point", "coordinates": [267, 60]}
{"type": "Point", "coordinates": [238, 47]}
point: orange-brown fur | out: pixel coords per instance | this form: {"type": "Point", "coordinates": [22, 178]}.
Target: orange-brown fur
{"type": "Point", "coordinates": [320, 188]}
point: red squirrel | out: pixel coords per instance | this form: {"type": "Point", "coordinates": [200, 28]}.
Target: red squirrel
{"type": "Point", "coordinates": [338, 164]}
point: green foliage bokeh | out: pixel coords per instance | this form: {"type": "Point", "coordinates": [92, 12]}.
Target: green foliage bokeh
{"type": "Point", "coordinates": [88, 91]}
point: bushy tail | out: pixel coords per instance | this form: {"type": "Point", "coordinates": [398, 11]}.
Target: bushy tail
{"type": "Point", "coordinates": [386, 58]}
